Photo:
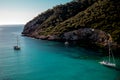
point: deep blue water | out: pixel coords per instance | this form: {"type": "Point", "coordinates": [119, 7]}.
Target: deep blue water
{"type": "Point", "coordinates": [47, 60]}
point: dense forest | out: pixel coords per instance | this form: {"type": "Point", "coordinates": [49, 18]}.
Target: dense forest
{"type": "Point", "coordinates": [96, 14]}
{"type": "Point", "coordinates": [57, 15]}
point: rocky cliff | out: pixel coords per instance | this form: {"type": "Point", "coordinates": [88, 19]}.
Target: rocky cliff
{"type": "Point", "coordinates": [93, 21]}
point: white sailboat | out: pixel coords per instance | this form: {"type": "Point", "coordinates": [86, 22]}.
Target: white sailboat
{"type": "Point", "coordinates": [17, 47]}
{"type": "Point", "coordinates": [110, 62]}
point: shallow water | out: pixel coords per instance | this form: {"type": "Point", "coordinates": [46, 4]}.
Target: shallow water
{"type": "Point", "coordinates": [48, 60]}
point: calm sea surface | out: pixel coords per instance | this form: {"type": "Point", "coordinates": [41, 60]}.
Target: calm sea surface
{"type": "Point", "coordinates": [47, 60]}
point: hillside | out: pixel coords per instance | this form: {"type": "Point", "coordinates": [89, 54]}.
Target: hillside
{"type": "Point", "coordinates": [59, 13]}
{"type": "Point", "coordinates": [103, 15]}
{"type": "Point", "coordinates": [78, 14]}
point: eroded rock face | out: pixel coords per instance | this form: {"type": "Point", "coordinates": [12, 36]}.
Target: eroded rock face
{"type": "Point", "coordinates": [90, 35]}
{"type": "Point", "coordinates": [84, 34]}
{"type": "Point", "coordinates": [87, 34]}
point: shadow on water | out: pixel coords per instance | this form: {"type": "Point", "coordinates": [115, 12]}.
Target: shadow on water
{"type": "Point", "coordinates": [7, 79]}
{"type": "Point", "coordinates": [81, 53]}
{"type": "Point", "coordinates": [75, 52]}
{"type": "Point", "coordinates": [118, 76]}
{"type": "Point", "coordinates": [86, 54]}
{"type": "Point", "coordinates": [17, 51]}
{"type": "Point", "coordinates": [117, 68]}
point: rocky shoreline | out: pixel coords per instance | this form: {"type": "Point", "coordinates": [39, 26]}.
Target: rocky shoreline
{"type": "Point", "coordinates": [93, 22]}
{"type": "Point", "coordinates": [83, 35]}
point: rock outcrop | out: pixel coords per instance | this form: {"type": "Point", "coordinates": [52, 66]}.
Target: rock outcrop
{"type": "Point", "coordinates": [94, 36]}
{"type": "Point", "coordinates": [95, 21]}
{"type": "Point", "coordinates": [88, 35]}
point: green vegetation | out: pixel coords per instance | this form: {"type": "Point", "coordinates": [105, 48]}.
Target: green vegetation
{"type": "Point", "coordinates": [103, 15]}
{"type": "Point", "coordinates": [53, 17]}
{"type": "Point", "coordinates": [98, 14]}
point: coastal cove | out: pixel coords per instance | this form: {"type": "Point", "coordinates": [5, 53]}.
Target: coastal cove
{"type": "Point", "coordinates": [48, 60]}
{"type": "Point", "coordinates": [60, 40]}
{"type": "Point", "coordinates": [93, 21]}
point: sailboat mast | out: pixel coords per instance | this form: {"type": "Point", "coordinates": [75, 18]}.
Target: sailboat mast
{"type": "Point", "coordinates": [17, 40]}
{"type": "Point", "coordinates": [113, 57]}
{"type": "Point", "coordinates": [109, 51]}
{"type": "Point", "coordinates": [108, 63]}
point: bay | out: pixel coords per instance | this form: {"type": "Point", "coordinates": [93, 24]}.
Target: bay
{"type": "Point", "coordinates": [48, 60]}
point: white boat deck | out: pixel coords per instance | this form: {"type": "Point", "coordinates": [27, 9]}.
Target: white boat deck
{"type": "Point", "coordinates": [105, 63]}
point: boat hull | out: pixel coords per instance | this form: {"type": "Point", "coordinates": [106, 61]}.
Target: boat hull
{"type": "Point", "coordinates": [16, 48]}
{"type": "Point", "coordinates": [108, 64]}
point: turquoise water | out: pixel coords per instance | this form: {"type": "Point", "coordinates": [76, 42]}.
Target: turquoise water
{"type": "Point", "coordinates": [47, 60]}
